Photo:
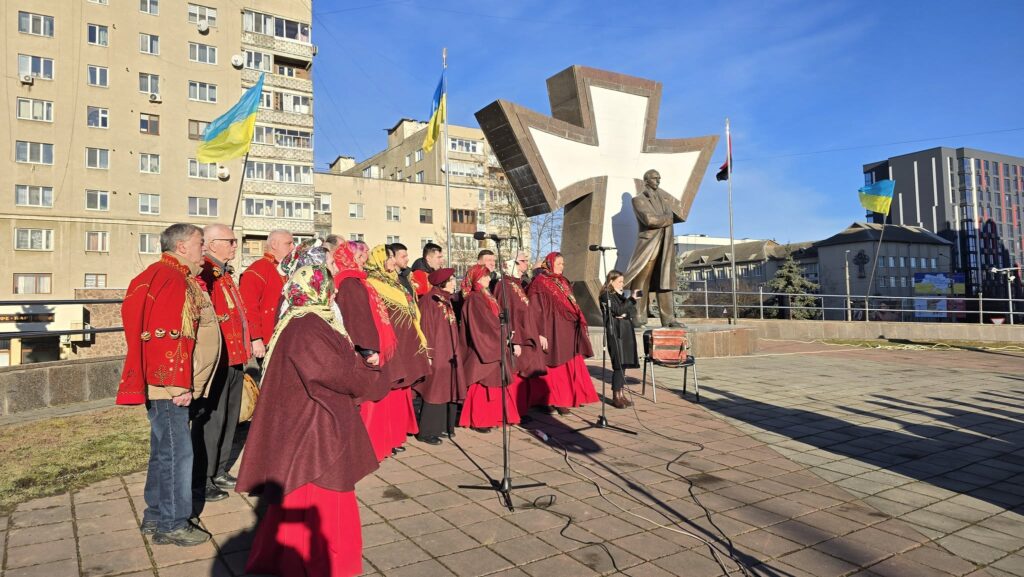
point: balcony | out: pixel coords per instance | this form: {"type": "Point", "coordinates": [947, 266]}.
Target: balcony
{"type": "Point", "coordinates": [281, 117]}
{"type": "Point", "coordinates": [265, 224]}
{"type": "Point", "coordinates": [283, 46]}
{"type": "Point", "coordinates": [250, 76]}
{"type": "Point", "coordinates": [278, 188]}
{"type": "Point", "coordinates": [304, 155]}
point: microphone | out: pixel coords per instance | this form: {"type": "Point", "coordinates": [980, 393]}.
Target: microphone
{"type": "Point", "coordinates": [596, 247]}
{"type": "Point", "coordinates": [481, 235]}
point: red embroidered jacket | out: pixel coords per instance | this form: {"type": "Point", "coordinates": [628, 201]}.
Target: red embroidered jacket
{"type": "Point", "coordinates": [261, 285]}
{"type": "Point", "coordinates": [230, 309]}
{"type": "Point", "coordinates": [160, 314]}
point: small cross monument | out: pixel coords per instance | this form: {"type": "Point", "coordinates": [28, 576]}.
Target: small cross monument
{"type": "Point", "coordinates": [589, 157]}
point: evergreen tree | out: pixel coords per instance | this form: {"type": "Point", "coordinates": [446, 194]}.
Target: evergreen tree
{"type": "Point", "coordinates": [790, 279]}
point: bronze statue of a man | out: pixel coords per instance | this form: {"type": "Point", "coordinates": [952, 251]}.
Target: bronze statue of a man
{"type": "Point", "coordinates": [652, 268]}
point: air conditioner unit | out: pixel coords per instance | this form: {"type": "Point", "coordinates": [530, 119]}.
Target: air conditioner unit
{"type": "Point", "coordinates": [155, 98]}
{"type": "Point", "coordinates": [28, 79]}
{"type": "Point", "coordinates": [237, 60]}
{"type": "Point", "coordinates": [203, 26]}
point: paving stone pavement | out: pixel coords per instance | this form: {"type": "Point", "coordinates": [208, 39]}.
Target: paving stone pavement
{"type": "Point", "coordinates": [812, 460]}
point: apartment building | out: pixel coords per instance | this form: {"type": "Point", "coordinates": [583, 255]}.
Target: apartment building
{"type": "Point", "coordinates": [110, 99]}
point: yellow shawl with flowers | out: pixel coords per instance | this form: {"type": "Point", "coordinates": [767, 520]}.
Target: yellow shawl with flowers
{"type": "Point", "coordinates": [401, 305]}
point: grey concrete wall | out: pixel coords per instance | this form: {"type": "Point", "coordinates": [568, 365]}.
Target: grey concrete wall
{"type": "Point", "coordinates": [40, 385]}
{"type": "Point", "coordinates": [725, 341]}
{"type": "Point", "coordinates": [925, 332]}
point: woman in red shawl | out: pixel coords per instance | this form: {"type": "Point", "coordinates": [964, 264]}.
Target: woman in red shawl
{"type": "Point", "coordinates": [307, 448]}
{"type": "Point", "coordinates": [563, 337]}
{"type": "Point", "coordinates": [444, 386]}
{"type": "Point", "coordinates": [531, 361]}
{"type": "Point", "coordinates": [369, 327]}
{"type": "Point", "coordinates": [482, 348]}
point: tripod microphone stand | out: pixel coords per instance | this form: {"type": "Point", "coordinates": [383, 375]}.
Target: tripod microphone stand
{"type": "Point", "coordinates": [606, 318]}
{"type": "Point", "coordinates": [507, 363]}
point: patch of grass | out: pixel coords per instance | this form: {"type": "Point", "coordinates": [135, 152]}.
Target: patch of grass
{"type": "Point", "coordinates": [63, 454]}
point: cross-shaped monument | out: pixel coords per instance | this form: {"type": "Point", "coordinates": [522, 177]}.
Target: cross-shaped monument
{"type": "Point", "coordinates": [589, 157]}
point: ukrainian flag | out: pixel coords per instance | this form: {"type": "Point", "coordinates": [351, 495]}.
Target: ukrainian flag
{"type": "Point", "coordinates": [438, 113]}
{"type": "Point", "coordinates": [877, 197]}
{"type": "Point", "coordinates": [230, 135]}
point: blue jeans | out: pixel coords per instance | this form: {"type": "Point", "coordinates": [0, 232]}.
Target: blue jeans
{"type": "Point", "coordinates": [168, 490]}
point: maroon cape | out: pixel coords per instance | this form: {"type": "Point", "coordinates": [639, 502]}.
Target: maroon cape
{"type": "Point", "coordinates": [409, 365]}
{"type": "Point", "coordinates": [530, 361]}
{"type": "Point", "coordinates": [444, 384]}
{"type": "Point", "coordinates": [354, 303]}
{"type": "Point", "coordinates": [306, 428]}
{"type": "Point", "coordinates": [567, 336]}
{"type": "Point", "coordinates": [480, 339]}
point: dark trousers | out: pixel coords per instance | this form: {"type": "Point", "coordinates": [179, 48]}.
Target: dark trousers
{"type": "Point", "coordinates": [168, 491]}
{"type": "Point", "coordinates": [436, 419]}
{"type": "Point", "coordinates": [214, 420]}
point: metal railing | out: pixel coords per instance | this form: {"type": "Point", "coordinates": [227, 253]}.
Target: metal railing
{"type": "Point", "coordinates": [34, 304]}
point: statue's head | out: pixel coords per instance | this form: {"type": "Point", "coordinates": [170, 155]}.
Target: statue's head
{"type": "Point", "coordinates": [652, 179]}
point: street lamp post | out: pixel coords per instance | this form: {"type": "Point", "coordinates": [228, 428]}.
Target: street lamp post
{"type": "Point", "coordinates": [1009, 287]}
{"type": "Point", "coordinates": [846, 266]}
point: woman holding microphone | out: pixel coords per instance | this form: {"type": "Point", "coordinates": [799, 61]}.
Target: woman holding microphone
{"type": "Point", "coordinates": [619, 311]}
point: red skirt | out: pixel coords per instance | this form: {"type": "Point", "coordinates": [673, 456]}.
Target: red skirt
{"type": "Point", "coordinates": [389, 420]}
{"type": "Point", "coordinates": [403, 416]}
{"type": "Point", "coordinates": [567, 385]}
{"type": "Point", "coordinates": [313, 532]}
{"type": "Point", "coordinates": [482, 407]}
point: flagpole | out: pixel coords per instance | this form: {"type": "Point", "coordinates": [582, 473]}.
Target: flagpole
{"type": "Point", "coordinates": [732, 240]}
{"type": "Point", "coordinates": [447, 184]}
{"type": "Point", "coordinates": [238, 199]}
{"type": "Point", "coordinates": [874, 265]}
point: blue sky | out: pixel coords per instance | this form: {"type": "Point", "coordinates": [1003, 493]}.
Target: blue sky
{"type": "Point", "coordinates": [813, 89]}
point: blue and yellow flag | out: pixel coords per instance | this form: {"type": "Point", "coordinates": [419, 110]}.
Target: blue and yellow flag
{"type": "Point", "coordinates": [230, 135]}
{"type": "Point", "coordinates": [877, 197]}
{"type": "Point", "coordinates": [438, 112]}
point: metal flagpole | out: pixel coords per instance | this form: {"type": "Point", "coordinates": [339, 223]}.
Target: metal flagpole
{"type": "Point", "coordinates": [238, 199]}
{"type": "Point", "coordinates": [732, 240]}
{"type": "Point", "coordinates": [447, 186]}
{"type": "Point", "coordinates": [871, 280]}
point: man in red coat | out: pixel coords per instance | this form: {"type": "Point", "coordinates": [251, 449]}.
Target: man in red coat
{"type": "Point", "coordinates": [261, 286]}
{"type": "Point", "coordinates": [215, 418]}
{"type": "Point", "coordinates": [173, 344]}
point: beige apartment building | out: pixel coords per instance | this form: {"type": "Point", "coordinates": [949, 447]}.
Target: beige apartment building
{"type": "Point", "coordinates": [107, 103]}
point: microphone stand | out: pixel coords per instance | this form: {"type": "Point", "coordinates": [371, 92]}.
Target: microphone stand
{"type": "Point", "coordinates": [507, 364]}
{"type": "Point", "coordinates": [606, 317]}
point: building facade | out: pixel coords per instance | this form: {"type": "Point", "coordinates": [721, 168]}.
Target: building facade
{"type": "Point", "coordinates": [109, 103]}
{"type": "Point", "coordinates": [969, 197]}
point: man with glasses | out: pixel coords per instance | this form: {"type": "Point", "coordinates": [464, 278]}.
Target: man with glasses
{"type": "Point", "coordinates": [215, 418]}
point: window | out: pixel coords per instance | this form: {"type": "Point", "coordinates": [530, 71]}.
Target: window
{"type": "Point", "coordinates": [267, 100]}
{"type": "Point", "coordinates": [98, 76]}
{"type": "Point", "coordinates": [149, 7]}
{"type": "Point", "coordinates": [419, 155]}
{"type": "Point", "coordinates": [32, 283]}
{"type": "Point", "coordinates": [97, 34]}
{"type": "Point", "coordinates": [149, 243]}
{"type": "Point", "coordinates": [104, 2]}
{"type": "Point", "coordinates": [37, 24]}
{"type": "Point", "coordinates": [419, 177]}
{"type": "Point", "coordinates": [393, 238]}
{"type": "Point", "coordinates": [202, 53]}
{"type": "Point", "coordinates": [355, 210]}
{"type": "Point", "coordinates": [149, 43]}
{"type": "Point", "coordinates": [285, 70]}
{"type": "Point", "coordinates": [196, 128]}
{"type": "Point", "coordinates": [903, 282]}
{"type": "Point", "coordinates": [252, 248]}
{"type": "Point", "coordinates": [356, 236]}
{"type": "Point", "coordinates": [97, 200]}
{"type": "Point", "coordinates": [33, 152]}
{"type": "Point", "coordinates": [97, 158]}
{"type": "Point", "coordinates": [466, 168]}
{"type": "Point", "coordinates": [35, 66]}
{"type": "Point", "coordinates": [96, 117]}
{"type": "Point", "coordinates": [935, 263]}
{"type": "Point", "coordinates": [202, 91]}
{"type": "Point", "coordinates": [279, 172]}
{"type": "Point", "coordinates": [274, 26]}
{"type": "Point", "coordinates": [913, 262]}
{"type": "Point", "coordinates": [149, 203]}
{"type": "Point", "coordinates": [408, 159]}
{"type": "Point", "coordinates": [398, 175]}
{"type": "Point", "coordinates": [149, 83]}
{"type": "Point", "coordinates": [892, 262]}
{"type": "Point", "coordinates": [258, 207]}
{"type": "Point", "coordinates": [29, 195]}
{"type": "Point", "coordinates": [322, 204]}
{"type": "Point", "coordinates": [881, 282]}
{"type": "Point", "coordinates": [33, 109]}
{"type": "Point", "coordinates": [258, 61]}
{"type": "Point", "coordinates": [426, 216]}
{"type": "Point", "coordinates": [95, 280]}
{"type": "Point", "coordinates": [283, 137]}
{"type": "Point", "coordinates": [149, 163]}
{"type": "Point", "coordinates": [197, 14]}
{"type": "Point", "coordinates": [903, 261]}
{"type": "Point", "coordinates": [201, 206]}
{"type": "Point", "coordinates": [198, 169]}
{"type": "Point", "coordinates": [97, 241]}
{"type": "Point", "coordinates": [33, 239]}
{"type": "Point", "coordinates": [881, 262]}
{"type": "Point", "coordinates": [295, 103]}
{"type": "Point", "coordinates": [463, 145]}
{"type": "Point", "coordinates": [149, 123]}
{"type": "Point", "coordinates": [393, 213]}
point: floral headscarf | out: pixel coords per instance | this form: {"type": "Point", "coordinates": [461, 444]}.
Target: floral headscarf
{"type": "Point", "coordinates": [308, 252]}
{"type": "Point", "coordinates": [401, 305]}
{"type": "Point", "coordinates": [309, 290]}
{"type": "Point", "coordinates": [345, 259]}
{"type": "Point", "coordinates": [472, 284]}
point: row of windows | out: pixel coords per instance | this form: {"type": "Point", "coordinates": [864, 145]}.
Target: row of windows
{"type": "Point", "coordinates": [896, 282]}
{"type": "Point", "coordinates": [99, 158]}
{"type": "Point", "coordinates": [278, 208]}
{"type": "Point", "coordinates": [99, 76]}
{"type": "Point", "coordinates": [42, 283]}
{"type": "Point", "coordinates": [42, 24]}
{"type": "Point", "coordinates": [903, 261]}
{"type": "Point", "coordinates": [276, 26]}
{"type": "Point", "coordinates": [149, 204]}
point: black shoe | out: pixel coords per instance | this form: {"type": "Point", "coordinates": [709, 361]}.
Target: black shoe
{"type": "Point", "coordinates": [482, 429]}
{"type": "Point", "coordinates": [187, 536]}
{"type": "Point", "coordinates": [214, 493]}
{"type": "Point", "coordinates": [448, 434]}
{"type": "Point", "coordinates": [563, 411]}
{"type": "Point", "coordinates": [148, 527]}
{"type": "Point", "coordinates": [225, 481]}
{"type": "Point", "coordinates": [547, 409]}
{"type": "Point", "coordinates": [429, 440]}
{"type": "Point", "coordinates": [397, 450]}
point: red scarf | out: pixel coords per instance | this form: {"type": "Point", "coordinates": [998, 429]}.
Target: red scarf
{"type": "Point", "coordinates": [559, 289]}
{"type": "Point", "coordinates": [472, 284]}
{"type": "Point", "coordinates": [344, 257]}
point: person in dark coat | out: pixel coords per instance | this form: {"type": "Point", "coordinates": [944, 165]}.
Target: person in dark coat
{"type": "Point", "coordinates": [621, 340]}
{"type": "Point", "coordinates": [563, 336]}
{"type": "Point", "coordinates": [523, 324]}
{"type": "Point", "coordinates": [482, 346]}
{"type": "Point", "coordinates": [307, 447]}
{"type": "Point", "coordinates": [444, 386]}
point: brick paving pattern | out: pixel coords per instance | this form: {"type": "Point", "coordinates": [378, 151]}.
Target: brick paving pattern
{"type": "Point", "coordinates": [815, 460]}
